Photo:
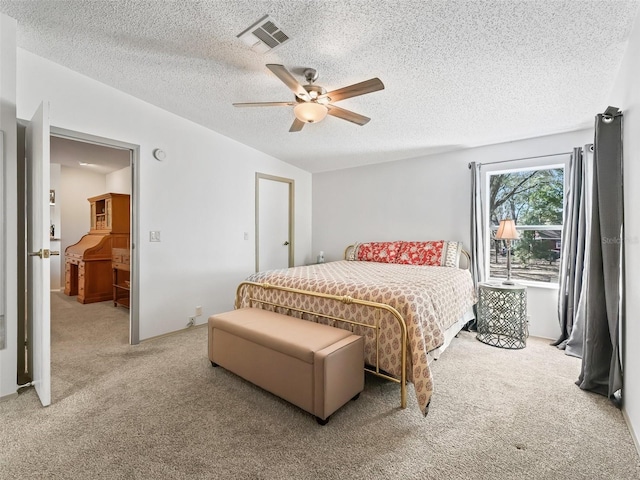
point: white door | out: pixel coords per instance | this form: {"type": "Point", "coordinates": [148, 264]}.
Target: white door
{"type": "Point", "coordinates": [38, 280]}
{"type": "Point", "coordinates": [274, 232]}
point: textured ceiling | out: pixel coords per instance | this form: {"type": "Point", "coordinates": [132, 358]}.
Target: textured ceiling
{"type": "Point", "coordinates": [100, 159]}
{"type": "Point", "coordinates": [457, 73]}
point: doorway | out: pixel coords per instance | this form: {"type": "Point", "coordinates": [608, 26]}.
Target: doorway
{"type": "Point", "coordinates": [274, 222]}
{"type": "Point", "coordinates": [134, 183]}
{"type": "Point", "coordinates": [62, 232]}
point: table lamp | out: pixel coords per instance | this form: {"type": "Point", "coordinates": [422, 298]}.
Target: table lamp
{"type": "Point", "coordinates": [507, 231]}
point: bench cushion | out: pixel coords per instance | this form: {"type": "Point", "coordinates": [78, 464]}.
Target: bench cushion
{"type": "Point", "coordinates": [288, 335]}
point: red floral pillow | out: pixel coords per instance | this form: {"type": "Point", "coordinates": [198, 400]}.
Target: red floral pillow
{"type": "Point", "coordinates": [382, 252]}
{"type": "Point", "coordinates": [421, 253]}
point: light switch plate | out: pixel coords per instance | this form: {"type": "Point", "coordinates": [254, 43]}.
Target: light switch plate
{"type": "Point", "coordinates": [154, 236]}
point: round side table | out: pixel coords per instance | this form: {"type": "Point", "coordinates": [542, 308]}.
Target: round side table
{"type": "Point", "coordinates": [502, 315]}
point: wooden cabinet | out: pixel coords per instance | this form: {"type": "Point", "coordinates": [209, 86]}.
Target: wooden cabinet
{"type": "Point", "coordinates": [120, 264]}
{"type": "Point", "coordinates": [89, 262]}
{"type": "Point", "coordinates": [110, 213]}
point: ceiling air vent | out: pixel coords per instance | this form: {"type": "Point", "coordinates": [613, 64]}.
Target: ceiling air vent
{"type": "Point", "coordinates": [264, 35]}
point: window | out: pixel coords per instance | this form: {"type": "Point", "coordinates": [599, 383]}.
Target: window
{"type": "Point", "coordinates": [534, 198]}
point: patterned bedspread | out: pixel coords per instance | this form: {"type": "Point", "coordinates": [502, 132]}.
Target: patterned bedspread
{"type": "Point", "coordinates": [430, 299]}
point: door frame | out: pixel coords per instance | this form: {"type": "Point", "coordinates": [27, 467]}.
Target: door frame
{"type": "Point", "coordinates": [3, 262]}
{"type": "Point", "coordinates": [134, 307]}
{"type": "Point", "coordinates": [291, 182]}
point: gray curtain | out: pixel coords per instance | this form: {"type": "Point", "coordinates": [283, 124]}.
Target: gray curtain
{"type": "Point", "coordinates": [575, 342]}
{"type": "Point", "coordinates": [574, 258]}
{"type": "Point", "coordinates": [477, 230]}
{"type": "Point", "coordinates": [601, 370]}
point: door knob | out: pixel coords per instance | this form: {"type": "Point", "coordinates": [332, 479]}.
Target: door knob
{"type": "Point", "coordinates": [286, 243]}
{"type": "Point", "coordinates": [44, 253]}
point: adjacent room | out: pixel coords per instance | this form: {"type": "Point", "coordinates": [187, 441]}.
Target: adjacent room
{"type": "Point", "coordinates": [89, 290]}
{"type": "Point", "coordinates": [319, 239]}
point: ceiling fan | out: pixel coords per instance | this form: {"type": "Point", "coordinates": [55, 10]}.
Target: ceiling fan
{"type": "Point", "coordinates": [312, 102]}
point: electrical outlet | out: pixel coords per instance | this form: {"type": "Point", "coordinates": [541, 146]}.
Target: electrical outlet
{"type": "Point", "coordinates": [246, 235]}
{"type": "Point", "coordinates": [192, 322]}
{"type": "Point", "coordinates": [154, 236]}
{"type": "Point", "coordinates": [198, 311]}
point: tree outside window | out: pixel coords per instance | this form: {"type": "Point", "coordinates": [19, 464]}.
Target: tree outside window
{"type": "Point", "coordinates": [534, 198]}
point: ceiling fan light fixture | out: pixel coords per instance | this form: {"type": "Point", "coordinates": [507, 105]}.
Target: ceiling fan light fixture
{"type": "Point", "coordinates": [310, 112]}
{"type": "Point", "coordinates": [312, 102]}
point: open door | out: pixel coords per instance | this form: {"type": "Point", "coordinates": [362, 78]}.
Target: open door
{"type": "Point", "coordinates": [38, 280]}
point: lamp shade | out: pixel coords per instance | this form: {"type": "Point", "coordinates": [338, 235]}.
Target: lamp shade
{"type": "Point", "coordinates": [507, 230]}
{"type": "Point", "coordinates": [310, 112]}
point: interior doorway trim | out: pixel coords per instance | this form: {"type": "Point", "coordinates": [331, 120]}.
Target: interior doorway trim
{"type": "Point", "coordinates": [264, 176]}
{"type": "Point", "coordinates": [134, 307]}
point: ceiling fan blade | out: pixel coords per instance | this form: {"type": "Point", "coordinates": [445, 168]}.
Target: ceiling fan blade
{"type": "Point", "coordinates": [348, 115]}
{"type": "Point", "coordinates": [368, 86]}
{"type": "Point", "coordinates": [265, 104]}
{"type": "Point", "coordinates": [289, 80]}
{"type": "Point", "coordinates": [296, 126]}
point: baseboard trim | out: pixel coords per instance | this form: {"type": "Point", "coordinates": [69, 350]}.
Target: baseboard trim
{"type": "Point", "coordinates": [175, 332]}
{"type": "Point", "coordinates": [11, 396]}
{"type": "Point", "coordinates": [634, 437]}
{"type": "Point", "coordinates": [543, 338]}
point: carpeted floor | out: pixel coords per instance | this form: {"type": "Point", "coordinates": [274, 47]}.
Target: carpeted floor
{"type": "Point", "coordinates": [159, 410]}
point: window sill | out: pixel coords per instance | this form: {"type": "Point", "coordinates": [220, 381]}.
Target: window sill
{"type": "Point", "coordinates": [528, 284]}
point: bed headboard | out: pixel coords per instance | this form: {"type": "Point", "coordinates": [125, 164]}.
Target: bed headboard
{"type": "Point", "coordinates": [449, 253]}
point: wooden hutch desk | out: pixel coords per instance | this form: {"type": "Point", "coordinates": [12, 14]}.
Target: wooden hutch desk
{"type": "Point", "coordinates": [88, 263]}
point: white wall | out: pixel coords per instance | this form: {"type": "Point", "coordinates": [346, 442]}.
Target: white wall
{"type": "Point", "coordinates": [626, 96]}
{"type": "Point", "coordinates": [119, 181]}
{"type": "Point", "coordinates": [76, 186]}
{"type": "Point", "coordinates": [423, 198]}
{"type": "Point", "coordinates": [201, 198]}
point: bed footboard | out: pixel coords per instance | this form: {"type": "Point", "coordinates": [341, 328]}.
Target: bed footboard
{"type": "Point", "coordinates": [252, 294]}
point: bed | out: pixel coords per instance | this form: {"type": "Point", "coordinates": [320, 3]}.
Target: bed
{"type": "Point", "coordinates": [408, 300]}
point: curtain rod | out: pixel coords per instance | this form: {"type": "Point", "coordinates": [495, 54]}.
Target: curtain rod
{"type": "Point", "coordinates": [524, 158]}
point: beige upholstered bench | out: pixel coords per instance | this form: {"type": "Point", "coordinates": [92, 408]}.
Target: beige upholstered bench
{"type": "Point", "coordinates": [316, 367]}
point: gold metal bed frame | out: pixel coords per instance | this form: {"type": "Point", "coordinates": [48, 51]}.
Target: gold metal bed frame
{"type": "Point", "coordinates": [346, 300]}
{"type": "Point", "coordinates": [379, 307]}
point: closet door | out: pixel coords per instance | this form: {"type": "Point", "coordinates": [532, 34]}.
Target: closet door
{"type": "Point", "coordinates": [274, 222]}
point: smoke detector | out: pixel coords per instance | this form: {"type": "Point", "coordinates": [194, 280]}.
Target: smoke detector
{"type": "Point", "coordinates": [263, 36]}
